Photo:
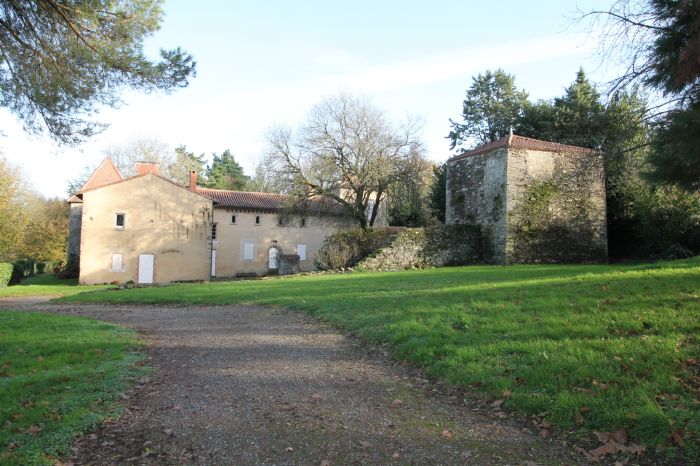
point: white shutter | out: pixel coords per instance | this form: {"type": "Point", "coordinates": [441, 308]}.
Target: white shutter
{"type": "Point", "coordinates": [301, 251]}
{"type": "Point", "coordinates": [116, 262]}
{"type": "Point", "coordinates": [248, 250]}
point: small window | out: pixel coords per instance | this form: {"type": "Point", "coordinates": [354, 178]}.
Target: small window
{"type": "Point", "coordinates": [116, 263]}
{"type": "Point", "coordinates": [213, 231]}
{"type": "Point", "coordinates": [303, 221]}
{"type": "Point", "coordinates": [233, 219]}
{"type": "Point", "coordinates": [119, 221]}
{"type": "Point", "coordinates": [301, 251]}
{"type": "Point", "coordinates": [257, 219]}
{"type": "Point", "coordinates": [248, 250]}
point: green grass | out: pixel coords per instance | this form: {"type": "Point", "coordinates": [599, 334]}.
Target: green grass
{"type": "Point", "coordinates": [59, 376]}
{"type": "Point", "coordinates": [596, 346]}
{"type": "Point", "coordinates": [46, 285]}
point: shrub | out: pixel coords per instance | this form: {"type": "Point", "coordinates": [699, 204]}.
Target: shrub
{"type": "Point", "coordinates": [346, 248]}
{"type": "Point", "coordinates": [5, 273]}
{"type": "Point", "coordinates": [20, 270]}
{"type": "Point", "coordinates": [66, 270]}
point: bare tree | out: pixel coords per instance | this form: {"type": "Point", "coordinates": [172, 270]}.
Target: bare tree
{"type": "Point", "coordinates": [348, 154]}
{"type": "Point", "coordinates": [141, 149]}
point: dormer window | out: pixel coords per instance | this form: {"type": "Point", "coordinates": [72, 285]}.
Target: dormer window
{"type": "Point", "coordinates": [119, 221]}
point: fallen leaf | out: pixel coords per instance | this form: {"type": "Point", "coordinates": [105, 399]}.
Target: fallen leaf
{"type": "Point", "coordinates": [507, 393]}
{"type": "Point", "coordinates": [620, 436]}
{"type": "Point", "coordinates": [636, 449]}
{"type": "Point", "coordinates": [40, 358]}
{"type": "Point", "coordinates": [316, 396]}
{"type": "Point", "coordinates": [11, 446]}
{"type": "Point", "coordinates": [447, 434]}
{"type": "Point", "coordinates": [396, 456]}
{"type": "Point", "coordinates": [497, 403]}
{"type": "Point", "coordinates": [34, 429]}
{"type": "Point", "coordinates": [396, 403]}
{"type": "Point", "coordinates": [677, 436]}
{"type": "Point", "coordinates": [289, 449]}
{"type": "Point", "coordinates": [607, 448]}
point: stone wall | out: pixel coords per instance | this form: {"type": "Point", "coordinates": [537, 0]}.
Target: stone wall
{"type": "Point", "coordinates": [435, 246]}
{"type": "Point", "coordinates": [476, 195]}
{"type": "Point", "coordinates": [531, 206]}
{"type": "Point", "coordinates": [555, 207]}
{"type": "Point", "coordinates": [288, 264]}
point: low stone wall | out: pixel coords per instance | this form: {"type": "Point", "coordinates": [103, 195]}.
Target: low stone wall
{"type": "Point", "coordinates": [288, 264]}
{"type": "Point", "coordinates": [435, 246]}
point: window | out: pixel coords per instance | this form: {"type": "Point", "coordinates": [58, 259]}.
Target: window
{"type": "Point", "coordinates": [119, 221]}
{"type": "Point", "coordinates": [303, 221]}
{"type": "Point", "coordinates": [116, 263]}
{"type": "Point", "coordinates": [233, 219]}
{"type": "Point", "coordinates": [248, 252]}
{"type": "Point", "coordinates": [257, 219]}
{"type": "Point", "coordinates": [213, 231]}
{"type": "Point", "coordinates": [301, 251]}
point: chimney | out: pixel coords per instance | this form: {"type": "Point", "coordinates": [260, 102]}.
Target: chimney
{"type": "Point", "coordinates": [147, 167]}
{"type": "Point", "coordinates": [193, 180]}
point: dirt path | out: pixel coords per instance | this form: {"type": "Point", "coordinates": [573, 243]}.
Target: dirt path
{"type": "Point", "coordinates": [254, 385]}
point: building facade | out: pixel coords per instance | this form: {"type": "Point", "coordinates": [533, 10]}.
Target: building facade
{"type": "Point", "coordinates": [535, 201]}
{"type": "Point", "coordinates": [147, 229]}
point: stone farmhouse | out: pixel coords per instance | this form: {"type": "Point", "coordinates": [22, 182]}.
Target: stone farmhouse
{"type": "Point", "coordinates": [535, 201]}
{"type": "Point", "coordinates": [148, 229]}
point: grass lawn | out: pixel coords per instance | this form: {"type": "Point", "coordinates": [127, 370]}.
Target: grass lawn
{"type": "Point", "coordinates": [46, 285]}
{"type": "Point", "coordinates": [595, 346]}
{"type": "Point", "coordinates": [59, 376]}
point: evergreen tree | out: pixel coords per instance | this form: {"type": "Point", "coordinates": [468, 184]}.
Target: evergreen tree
{"type": "Point", "coordinates": [225, 173]}
{"type": "Point", "coordinates": [493, 105]}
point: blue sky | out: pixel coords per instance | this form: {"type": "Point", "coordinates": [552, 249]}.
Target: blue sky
{"type": "Point", "coordinates": [266, 63]}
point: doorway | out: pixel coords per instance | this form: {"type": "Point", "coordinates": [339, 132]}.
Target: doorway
{"type": "Point", "coordinates": [146, 269]}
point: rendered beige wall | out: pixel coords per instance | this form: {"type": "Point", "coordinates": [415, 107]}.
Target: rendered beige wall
{"type": "Point", "coordinates": [228, 245]}
{"type": "Point", "coordinates": [162, 219]}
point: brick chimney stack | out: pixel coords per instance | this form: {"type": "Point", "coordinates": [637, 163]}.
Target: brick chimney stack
{"type": "Point", "coordinates": [193, 180]}
{"type": "Point", "coordinates": [147, 167]}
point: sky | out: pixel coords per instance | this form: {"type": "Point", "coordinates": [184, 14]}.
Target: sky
{"type": "Point", "coordinates": [261, 64]}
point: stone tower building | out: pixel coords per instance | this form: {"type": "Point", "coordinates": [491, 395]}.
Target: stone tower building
{"type": "Point", "coordinates": [535, 201]}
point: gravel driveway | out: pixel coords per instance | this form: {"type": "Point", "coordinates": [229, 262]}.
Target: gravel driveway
{"type": "Point", "coordinates": [255, 385]}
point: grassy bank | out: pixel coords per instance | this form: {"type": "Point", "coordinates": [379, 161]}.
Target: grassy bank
{"type": "Point", "coordinates": [59, 376]}
{"type": "Point", "coordinates": [46, 285]}
{"type": "Point", "coordinates": [595, 346]}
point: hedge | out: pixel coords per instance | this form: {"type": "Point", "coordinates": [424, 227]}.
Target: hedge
{"type": "Point", "coordinates": [5, 273]}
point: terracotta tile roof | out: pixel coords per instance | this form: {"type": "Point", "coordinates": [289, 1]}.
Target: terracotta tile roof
{"type": "Point", "coordinates": [106, 173]}
{"type": "Point", "coordinates": [243, 199]}
{"type": "Point", "coordinates": [265, 201]}
{"type": "Point", "coordinates": [521, 142]}
{"type": "Point", "coordinates": [74, 200]}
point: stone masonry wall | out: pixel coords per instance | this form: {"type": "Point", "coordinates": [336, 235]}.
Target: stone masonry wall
{"type": "Point", "coordinates": [476, 194]}
{"type": "Point", "coordinates": [555, 207]}
{"type": "Point", "coordinates": [434, 246]}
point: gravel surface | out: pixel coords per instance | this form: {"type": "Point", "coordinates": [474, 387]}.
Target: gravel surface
{"type": "Point", "coordinates": [256, 385]}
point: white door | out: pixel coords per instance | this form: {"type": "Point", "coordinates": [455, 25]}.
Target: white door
{"type": "Point", "coordinates": [213, 263]}
{"type": "Point", "coordinates": [272, 258]}
{"type": "Point", "coordinates": [146, 268]}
